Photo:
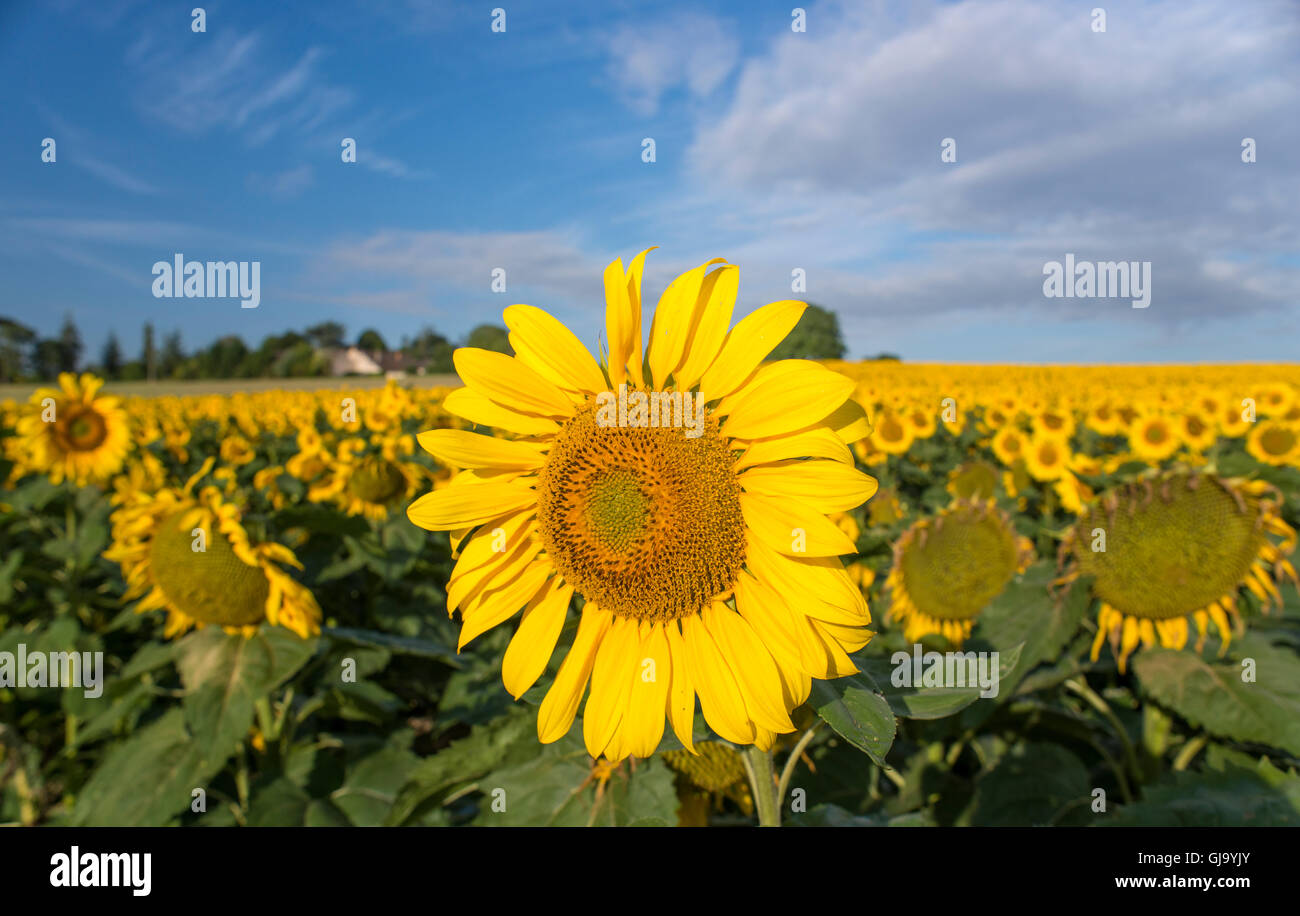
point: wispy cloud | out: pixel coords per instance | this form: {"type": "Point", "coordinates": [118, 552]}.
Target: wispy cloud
{"type": "Point", "coordinates": [689, 51]}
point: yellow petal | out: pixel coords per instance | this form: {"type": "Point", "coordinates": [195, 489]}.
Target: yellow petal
{"type": "Point", "coordinates": [474, 504]}
{"type": "Point", "coordinates": [751, 664]}
{"type": "Point", "coordinates": [792, 529]}
{"type": "Point", "coordinates": [681, 692]}
{"type": "Point", "coordinates": [531, 647]}
{"type": "Point", "coordinates": [643, 725]}
{"type": "Point", "coordinates": [500, 604]}
{"type": "Point", "coordinates": [784, 397]}
{"type": "Point", "coordinates": [674, 322]}
{"type": "Point", "coordinates": [479, 409]}
{"type": "Point", "coordinates": [635, 359]}
{"type": "Point", "coordinates": [619, 320]}
{"type": "Point", "coordinates": [510, 383]}
{"type": "Point", "coordinates": [826, 486]}
{"type": "Point", "coordinates": [554, 346]}
{"type": "Point", "coordinates": [611, 682]}
{"type": "Point", "coordinates": [849, 422]}
{"type": "Point", "coordinates": [718, 295]}
{"type": "Point", "coordinates": [750, 341]}
{"type": "Point", "coordinates": [819, 442]}
{"type": "Point", "coordinates": [561, 702]}
{"type": "Point", "coordinates": [460, 448]}
{"type": "Point", "coordinates": [720, 699]}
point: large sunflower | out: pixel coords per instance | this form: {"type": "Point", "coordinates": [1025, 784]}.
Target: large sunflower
{"type": "Point", "coordinates": [71, 433]}
{"type": "Point", "coordinates": [704, 554]}
{"type": "Point", "coordinates": [229, 582]}
{"type": "Point", "coordinates": [1178, 547]}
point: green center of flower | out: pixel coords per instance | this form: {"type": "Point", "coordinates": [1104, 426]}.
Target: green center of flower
{"type": "Point", "coordinates": [85, 430]}
{"type": "Point", "coordinates": [953, 566]}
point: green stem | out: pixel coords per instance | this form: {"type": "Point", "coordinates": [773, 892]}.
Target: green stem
{"type": "Point", "coordinates": [762, 779]}
{"type": "Point", "coordinates": [1080, 686]}
{"type": "Point", "coordinates": [792, 762]}
{"type": "Point", "coordinates": [1189, 751]}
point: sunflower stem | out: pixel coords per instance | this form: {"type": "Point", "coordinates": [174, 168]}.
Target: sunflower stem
{"type": "Point", "coordinates": [763, 781]}
{"type": "Point", "coordinates": [1080, 686]}
{"type": "Point", "coordinates": [792, 762]}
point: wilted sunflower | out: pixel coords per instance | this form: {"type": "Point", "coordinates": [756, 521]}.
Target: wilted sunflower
{"type": "Point", "coordinates": [230, 582]}
{"type": "Point", "coordinates": [707, 562]}
{"type": "Point", "coordinates": [372, 483]}
{"type": "Point", "coordinates": [705, 778]}
{"type": "Point", "coordinates": [1178, 547]}
{"type": "Point", "coordinates": [70, 433]}
{"type": "Point", "coordinates": [973, 480]}
{"type": "Point", "coordinates": [948, 568]}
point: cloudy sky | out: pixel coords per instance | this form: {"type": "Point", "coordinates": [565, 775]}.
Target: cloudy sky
{"type": "Point", "coordinates": [779, 150]}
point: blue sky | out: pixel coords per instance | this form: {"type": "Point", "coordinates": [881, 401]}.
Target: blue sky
{"type": "Point", "coordinates": [817, 150]}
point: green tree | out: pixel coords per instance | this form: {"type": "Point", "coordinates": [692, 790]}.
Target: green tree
{"type": "Point", "coordinates": [173, 354]}
{"type": "Point", "coordinates": [490, 337]}
{"type": "Point", "coordinates": [816, 336]}
{"type": "Point", "coordinates": [15, 338]}
{"type": "Point", "coordinates": [47, 358]}
{"type": "Point", "coordinates": [147, 355]}
{"type": "Point", "coordinates": [371, 341]}
{"type": "Point", "coordinates": [69, 345]}
{"type": "Point", "coordinates": [326, 334]}
{"type": "Point", "coordinates": [110, 359]}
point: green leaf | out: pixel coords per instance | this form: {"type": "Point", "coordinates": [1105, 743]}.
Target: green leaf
{"type": "Point", "coordinates": [147, 779]}
{"type": "Point", "coordinates": [372, 785]}
{"type": "Point", "coordinates": [1232, 797]}
{"type": "Point", "coordinates": [919, 702]}
{"type": "Point", "coordinates": [320, 519]}
{"type": "Point", "coordinates": [555, 789]}
{"type": "Point", "coordinates": [225, 675]}
{"type": "Point", "coordinates": [1213, 696]}
{"type": "Point", "coordinates": [858, 713]}
{"type": "Point", "coordinates": [399, 645]}
{"type": "Point", "coordinates": [503, 741]}
{"type": "Point", "coordinates": [1032, 784]}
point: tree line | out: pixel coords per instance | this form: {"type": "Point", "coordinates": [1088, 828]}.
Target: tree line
{"type": "Point", "coordinates": [26, 356]}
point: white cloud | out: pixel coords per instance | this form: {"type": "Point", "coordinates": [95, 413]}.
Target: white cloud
{"type": "Point", "coordinates": [688, 51]}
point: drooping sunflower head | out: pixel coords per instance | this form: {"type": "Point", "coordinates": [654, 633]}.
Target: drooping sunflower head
{"type": "Point", "coordinates": [706, 778]}
{"type": "Point", "coordinates": [681, 488]}
{"type": "Point", "coordinates": [191, 556]}
{"type": "Point", "coordinates": [1175, 548]}
{"type": "Point", "coordinates": [948, 568]}
{"type": "Point", "coordinates": [364, 481]}
{"type": "Point", "coordinates": [973, 480]}
{"type": "Point", "coordinates": [72, 433]}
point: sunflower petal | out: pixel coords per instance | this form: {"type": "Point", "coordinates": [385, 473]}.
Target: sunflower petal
{"type": "Point", "coordinates": [750, 341]}
{"type": "Point", "coordinates": [510, 383]}
{"type": "Point", "coordinates": [561, 703]}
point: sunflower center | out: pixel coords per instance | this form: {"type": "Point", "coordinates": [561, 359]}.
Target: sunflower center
{"type": "Point", "coordinates": [85, 430]}
{"type": "Point", "coordinates": [1172, 547]}
{"type": "Point", "coordinates": [211, 585]}
{"type": "Point", "coordinates": [645, 522]}
{"type": "Point", "coordinates": [960, 564]}
{"type": "Point", "coordinates": [891, 430]}
{"type": "Point", "coordinates": [1277, 440]}
{"type": "Point", "coordinates": [376, 480]}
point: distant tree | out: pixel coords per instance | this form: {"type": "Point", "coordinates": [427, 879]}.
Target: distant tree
{"type": "Point", "coordinates": [147, 355]}
{"type": "Point", "coordinates": [890, 357]}
{"type": "Point", "coordinates": [173, 354]}
{"type": "Point", "coordinates": [816, 336]}
{"type": "Point", "coordinates": [300, 360]}
{"type": "Point", "coordinates": [110, 359]}
{"type": "Point", "coordinates": [15, 338]}
{"type": "Point", "coordinates": [440, 361]}
{"type": "Point", "coordinates": [69, 345]}
{"type": "Point", "coordinates": [47, 358]}
{"type": "Point", "coordinates": [326, 334]}
{"type": "Point", "coordinates": [490, 337]}
{"type": "Point", "coordinates": [223, 358]}
{"type": "Point", "coordinates": [371, 341]}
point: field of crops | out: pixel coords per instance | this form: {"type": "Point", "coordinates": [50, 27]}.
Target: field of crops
{"type": "Point", "coordinates": [277, 648]}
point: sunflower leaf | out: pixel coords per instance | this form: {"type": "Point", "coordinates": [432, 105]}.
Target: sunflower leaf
{"type": "Point", "coordinates": [858, 712]}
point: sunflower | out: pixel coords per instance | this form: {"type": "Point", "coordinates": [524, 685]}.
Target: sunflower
{"type": "Point", "coordinates": [372, 483]}
{"type": "Point", "coordinates": [70, 433]}
{"type": "Point", "coordinates": [973, 480]}
{"type": "Point", "coordinates": [1054, 422]}
{"type": "Point", "coordinates": [1274, 443]}
{"type": "Point", "coordinates": [1178, 547]}
{"type": "Point", "coordinates": [191, 556]}
{"type": "Point", "coordinates": [892, 434]}
{"type": "Point", "coordinates": [706, 778]}
{"type": "Point", "coordinates": [1153, 437]}
{"type": "Point", "coordinates": [703, 550]}
{"type": "Point", "coordinates": [1009, 445]}
{"type": "Point", "coordinates": [1104, 420]}
{"type": "Point", "coordinates": [1198, 432]}
{"type": "Point", "coordinates": [1047, 457]}
{"type": "Point", "coordinates": [948, 568]}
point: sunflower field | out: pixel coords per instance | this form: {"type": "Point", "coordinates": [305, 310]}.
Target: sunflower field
{"type": "Point", "coordinates": [480, 605]}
